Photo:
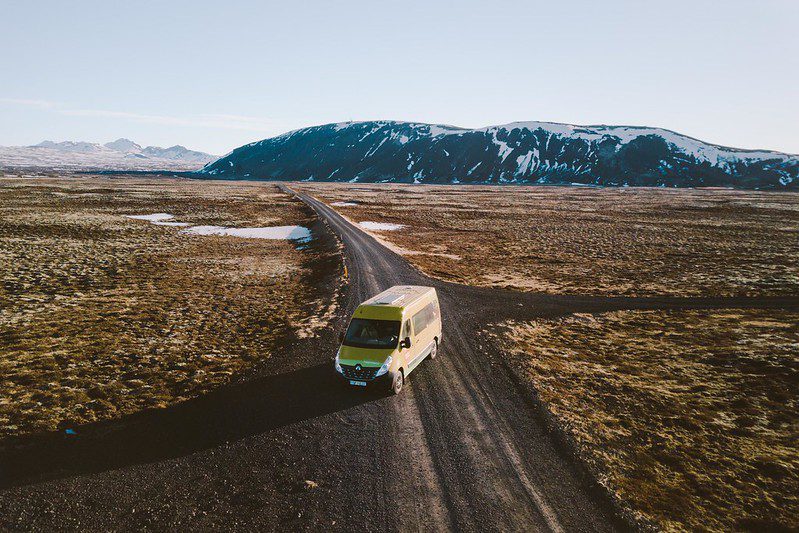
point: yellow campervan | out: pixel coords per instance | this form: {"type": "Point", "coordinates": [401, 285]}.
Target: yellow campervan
{"type": "Point", "coordinates": [389, 335]}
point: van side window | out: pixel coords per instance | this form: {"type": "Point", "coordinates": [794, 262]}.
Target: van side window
{"type": "Point", "coordinates": [406, 329]}
{"type": "Point", "coordinates": [418, 322]}
{"type": "Point", "coordinates": [424, 318]}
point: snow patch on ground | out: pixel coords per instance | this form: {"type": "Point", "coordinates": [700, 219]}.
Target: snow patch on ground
{"type": "Point", "coordinates": [436, 130]}
{"type": "Point", "coordinates": [344, 204]}
{"type": "Point", "coordinates": [524, 162]}
{"type": "Point", "coordinates": [380, 226]}
{"type": "Point", "coordinates": [376, 148]}
{"type": "Point", "coordinates": [158, 219]}
{"type": "Point", "coordinates": [504, 149]}
{"type": "Point", "coordinates": [154, 217]}
{"type": "Point", "coordinates": [294, 233]}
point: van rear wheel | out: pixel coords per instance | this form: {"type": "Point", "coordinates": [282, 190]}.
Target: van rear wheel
{"type": "Point", "coordinates": [397, 382]}
{"type": "Point", "coordinates": [434, 351]}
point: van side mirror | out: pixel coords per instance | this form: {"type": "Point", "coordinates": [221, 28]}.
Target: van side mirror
{"type": "Point", "coordinates": [340, 336]}
{"type": "Point", "coordinates": [405, 343]}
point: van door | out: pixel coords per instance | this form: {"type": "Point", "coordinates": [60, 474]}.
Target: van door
{"type": "Point", "coordinates": [424, 334]}
{"type": "Point", "coordinates": [439, 325]}
{"type": "Point", "coordinates": [407, 353]}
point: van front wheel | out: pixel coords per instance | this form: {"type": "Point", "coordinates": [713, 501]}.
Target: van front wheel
{"type": "Point", "coordinates": [434, 351]}
{"type": "Point", "coordinates": [397, 382]}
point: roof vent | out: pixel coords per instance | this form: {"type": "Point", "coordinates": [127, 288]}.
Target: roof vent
{"type": "Point", "coordinates": [389, 299]}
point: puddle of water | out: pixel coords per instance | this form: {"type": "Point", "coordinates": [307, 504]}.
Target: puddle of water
{"type": "Point", "coordinates": [380, 226]}
{"type": "Point", "coordinates": [293, 233]}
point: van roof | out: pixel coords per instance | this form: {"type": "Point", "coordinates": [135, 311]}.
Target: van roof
{"type": "Point", "coordinates": [389, 304]}
{"type": "Point", "coordinates": [399, 295]}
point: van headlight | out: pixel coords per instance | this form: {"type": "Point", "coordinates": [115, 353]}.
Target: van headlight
{"type": "Point", "coordinates": [383, 369]}
{"type": "Point", "coordinates": [338, 365]}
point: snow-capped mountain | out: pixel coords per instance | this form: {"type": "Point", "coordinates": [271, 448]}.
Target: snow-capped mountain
{"type": "Point", "coordinates": [124, 145]}
{"type": "Point", "coordinates": [178, 153]}
{"type": "Point", "coordinates": [70, 146]}
{"type": "Point", "coordinates": [521, 152]}
{"type": "Point", "coordinates": [122, 154]}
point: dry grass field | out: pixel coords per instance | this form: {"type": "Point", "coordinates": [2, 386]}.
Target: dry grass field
{"type": "Point", "coordinates": [103, 315]}
{"type": "Point", "coordinates": [570, 240]}
{"type": "Point", "coordinates": [690, 415]}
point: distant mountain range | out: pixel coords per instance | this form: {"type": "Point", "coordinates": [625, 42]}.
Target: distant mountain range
{"type": "Point", "coordinates": [122, 154]}
{"type": "Point", "coordinates": [522, 152]}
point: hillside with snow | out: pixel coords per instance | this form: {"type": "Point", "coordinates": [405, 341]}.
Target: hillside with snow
{"type": "Point", "coordinates": [521, 153]}
{"type": "Point", "coordinates": [122, 154]}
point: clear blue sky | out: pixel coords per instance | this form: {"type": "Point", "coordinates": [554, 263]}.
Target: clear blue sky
{"type": "Point", "coordinates": [215, 75]}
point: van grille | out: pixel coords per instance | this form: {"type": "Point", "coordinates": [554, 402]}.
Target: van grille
{"type": "Point", "coordinates": [366, 373]}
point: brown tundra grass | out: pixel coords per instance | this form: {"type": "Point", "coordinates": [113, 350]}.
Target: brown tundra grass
{"type": "Point", "coordinates": [691, 415]}
{"type": "Point", "coordinates": [102, 316]}
{"type": "Point", "coordinates": [569, 240]}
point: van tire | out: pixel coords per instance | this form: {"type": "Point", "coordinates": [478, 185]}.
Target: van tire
{"type": "Point", "coordinates": [434, 350]}
{"type": "Point", "coordinates": [397, 382]}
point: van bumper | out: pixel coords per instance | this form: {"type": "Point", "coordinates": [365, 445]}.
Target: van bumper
{"type": "Point", "coordinates": [383, 381]}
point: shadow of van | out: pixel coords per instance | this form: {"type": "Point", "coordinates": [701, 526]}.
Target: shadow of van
{"type": "Point", "coordinates": [226, 414]}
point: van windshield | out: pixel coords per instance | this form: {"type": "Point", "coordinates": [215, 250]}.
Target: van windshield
{"type": "Point", "coordinates": [368, 333]}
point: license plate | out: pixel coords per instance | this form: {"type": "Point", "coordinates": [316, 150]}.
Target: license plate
{"type": "Point", "coordinates": [358, 383]}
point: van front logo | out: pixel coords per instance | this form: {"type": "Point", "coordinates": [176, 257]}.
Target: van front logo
{"type": "Point", "coordinates": [358, 368]}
